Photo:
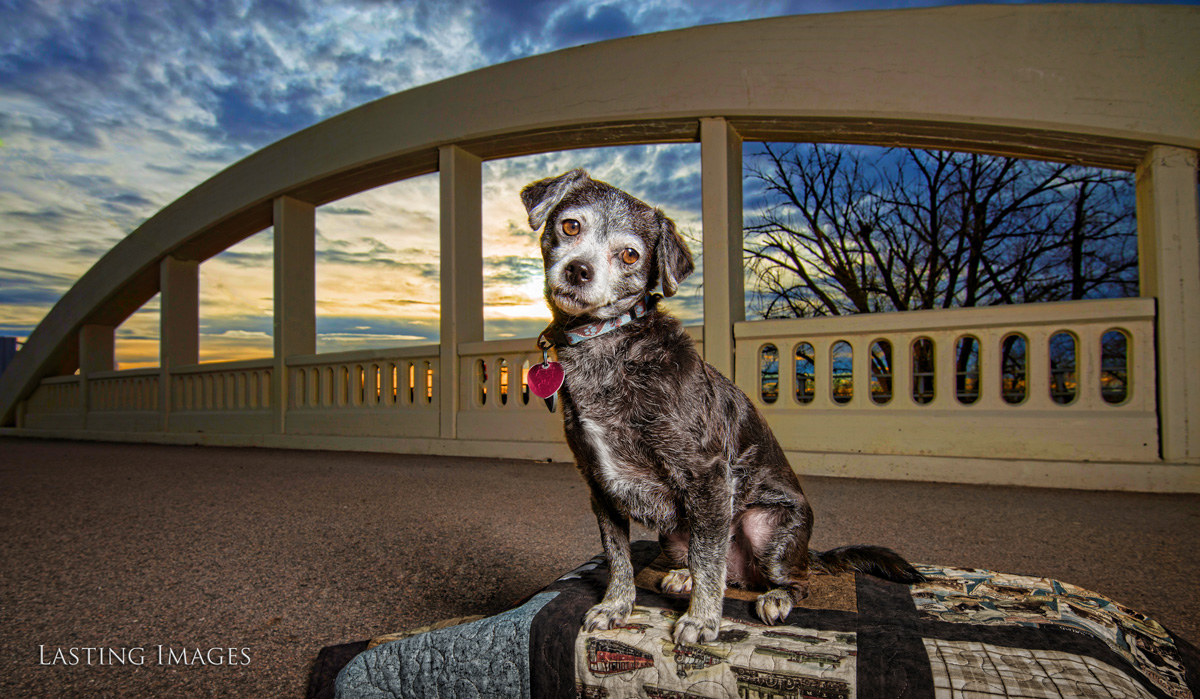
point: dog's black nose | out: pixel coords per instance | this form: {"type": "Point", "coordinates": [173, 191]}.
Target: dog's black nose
{"type": "Point", "coordinates": [579, 272]}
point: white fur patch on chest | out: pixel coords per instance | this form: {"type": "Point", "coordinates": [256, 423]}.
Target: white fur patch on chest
{"type": "Point", "coordinates": [615, 480]}
{"type": "Point", "coordinates": [643, 498]}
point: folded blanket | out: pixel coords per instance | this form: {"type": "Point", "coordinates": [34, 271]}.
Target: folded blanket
{"type": "Point", "coordinates": [964, 633]}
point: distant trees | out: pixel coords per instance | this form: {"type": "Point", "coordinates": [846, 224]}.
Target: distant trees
{"type": "Point", "coordinates": [837, 232]}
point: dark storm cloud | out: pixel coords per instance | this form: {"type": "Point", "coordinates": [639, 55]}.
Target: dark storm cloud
{"type": "Point", "coordinates": [23, 287]}
{"type": "Point", "coordinates": [17, 295]}
{"type": "Point", "coordinates": [666, 176]}
{"type": "Point", "coordinates": [45, 217]}
{"type": "Point", "coordinates": [128, 199]}
{"type": "Point", "coordinates": [170, 169]}
{"type": "Point", "coordinates": [511, 269]}
{"type": "Point", "coordinates": [125, 333]}
{"type": "Point", "coordinates": [262, 259]}
{"type": "Point", "coordinates": [366, 258]}
{"type": "Point", "coordinates": [88, 251]}
{"type": "Point", "coordinates": [507, 28]}
{"type": "Point", "coordinates": [587, 24]}
{"type": "Point", "coordinates": [345, 211]}
{"type": "Point", "coordinates": [248, 118]}
{"type": "Point", "coordinates": [15, 329]}
{"type": "Point", "coordinates": [347, 325]}
{"type": "Point", "coordinates": [236, 323]}
{"type": "Point", "coordinates": [498, 328]}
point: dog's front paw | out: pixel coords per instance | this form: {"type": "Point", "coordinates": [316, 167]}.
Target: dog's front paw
{"type": "Point", "coordinates": [605, 616]}
{"type": "Point", "coordinates": [774, 606]}
{"type": "Point", "coordinates": [694, 629]}
{"type": "Point", "coordinates": [677, 582]}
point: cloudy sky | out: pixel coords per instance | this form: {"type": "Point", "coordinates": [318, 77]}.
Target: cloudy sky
{"type": "Point", "coordinates": [110, 110]}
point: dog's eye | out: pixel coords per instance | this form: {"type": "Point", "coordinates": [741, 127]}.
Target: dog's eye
{"type": "Point", "coordinates": [629, 256]}
{"type": "Point", "coordinates": [570, 226]}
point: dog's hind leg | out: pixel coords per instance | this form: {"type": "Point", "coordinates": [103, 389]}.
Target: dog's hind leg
{"type": "Point", "coordinates": [677, 581]}
{"type": "Point", "coordinates": [617, 604]}
{"type": "Point", "coordinates": [778, 537]}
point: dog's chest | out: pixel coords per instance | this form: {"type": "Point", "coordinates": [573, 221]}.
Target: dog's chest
{"type": "Point", "coordinates": [609, 405]}
{"type": "Point", "coordinates": [628, 477]}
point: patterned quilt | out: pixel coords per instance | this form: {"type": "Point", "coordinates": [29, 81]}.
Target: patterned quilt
{"type": "Point", "coordinates": [964, 633]}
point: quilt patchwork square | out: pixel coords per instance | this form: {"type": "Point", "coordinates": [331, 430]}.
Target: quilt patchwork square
{"type": "Point", "coordinates": [747, 660]}
{"type": "Point", "coordinates": [966, 596]}
{"type": "Point", "coordinates": [972, 670]}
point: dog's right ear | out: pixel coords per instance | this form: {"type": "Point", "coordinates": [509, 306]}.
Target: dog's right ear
{"type": "Point", "coordinates": [542, 196]}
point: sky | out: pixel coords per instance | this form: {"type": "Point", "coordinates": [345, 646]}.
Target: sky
{"type": "Point", "coordinates": [110, 110]}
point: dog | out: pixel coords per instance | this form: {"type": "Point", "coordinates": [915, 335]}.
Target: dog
{"type": "Point", "coordinates": [659, 436]}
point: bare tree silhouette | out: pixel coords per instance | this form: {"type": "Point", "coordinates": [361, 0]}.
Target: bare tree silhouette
{"type": "Point", "coordinates": [839, 232]}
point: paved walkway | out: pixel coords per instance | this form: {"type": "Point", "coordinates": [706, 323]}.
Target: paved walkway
{"type": "Point", "coordinates": [283, 552]}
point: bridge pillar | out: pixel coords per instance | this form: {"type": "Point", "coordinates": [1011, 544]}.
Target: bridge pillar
{"type": "Point", "coordinates": [179, 324]}
{"type": "Point", "coordinates": [96, 353]}
{"type": "Point", "coordinates": [461, 181]}
{"type": "Point", "coordinates": [721, 185]}
{"type": "Point", "coordinates": [1169, 260]}
{"type": "Point", "coordinates": [295, 326]}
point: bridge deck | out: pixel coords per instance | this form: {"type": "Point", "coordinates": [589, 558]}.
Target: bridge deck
{"type": "Point", "coordinates": [283, 552]}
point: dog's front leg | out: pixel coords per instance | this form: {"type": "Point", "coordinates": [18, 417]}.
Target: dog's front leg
{"type": "Point", "coordinates": [706, 563]}
{"type": "Point", "coordinates": [617, 604]}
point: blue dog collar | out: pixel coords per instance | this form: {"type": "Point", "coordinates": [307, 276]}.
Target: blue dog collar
{"type": "Point", "coordinates": [586, 332]}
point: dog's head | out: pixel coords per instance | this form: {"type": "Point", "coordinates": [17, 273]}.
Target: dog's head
{"type": "Point", "coordinates": [603, 250]}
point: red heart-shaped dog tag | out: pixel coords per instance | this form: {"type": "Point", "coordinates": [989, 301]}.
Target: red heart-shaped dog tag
{"type": "Point", "coordinates": [545, 379]}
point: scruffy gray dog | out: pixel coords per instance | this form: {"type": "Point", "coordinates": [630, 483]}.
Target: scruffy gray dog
{"type": "Point", "coordinates": [660, 436]}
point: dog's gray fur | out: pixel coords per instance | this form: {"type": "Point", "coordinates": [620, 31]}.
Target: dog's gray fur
{"type": "Point", "coordinates": [660, 436]}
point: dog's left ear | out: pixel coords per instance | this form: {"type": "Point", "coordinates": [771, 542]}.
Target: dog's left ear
{"type": "Point", "coordinates": [542, 196]}
{"type": "Point", "coordinates": [674, 258]}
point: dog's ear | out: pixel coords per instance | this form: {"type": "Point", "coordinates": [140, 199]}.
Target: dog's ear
{"type": "Point", "coordinates": [542, 196]}
{"type": "Point", "coordinates": [674, 258]}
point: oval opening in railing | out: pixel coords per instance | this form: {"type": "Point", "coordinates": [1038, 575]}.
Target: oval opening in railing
{"type": "Point", "coordinates": [881, 372]}
{"type": "Point", "coordinates": [525, 383]}
{"type": "Point", "coordinates": [481, 396]}
{"type": "Point", "coordinates": [966, 369]}
{"type": "Point", "coordinates": [841, 359]}
{"type": "Point", "coordinates": [503, 372]}
{"type": "Point", "coordinates": [806, 380]}
{"type": "Point", "coordinates": [1114, 366]}
{"type": "Point", "coordinates": [1064, 386]}
{"type": "Point", "coordinates": [768, 372]}
{"type": "Point", "coordinates": [1012, 368]}
{"type": "Point", "coordinates": [922, 371]}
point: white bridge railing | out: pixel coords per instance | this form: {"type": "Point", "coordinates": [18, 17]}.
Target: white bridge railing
{"type": "Point", "coordinates": [1063, 381]}
{"type": "Point", "coordinates": [494, 397]}
{"type": "Point", "coordinates": [377, 393]}
{"type": "Point", "coordinates": [222, 397]}
{"type": "Point", "coordinates": [56, 404]}
{"type": "Point", "coordinates": [1039, 384]}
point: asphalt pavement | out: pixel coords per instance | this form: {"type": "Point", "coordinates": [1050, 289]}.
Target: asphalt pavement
{"type": "Point", "coordinates": [180, 557]}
